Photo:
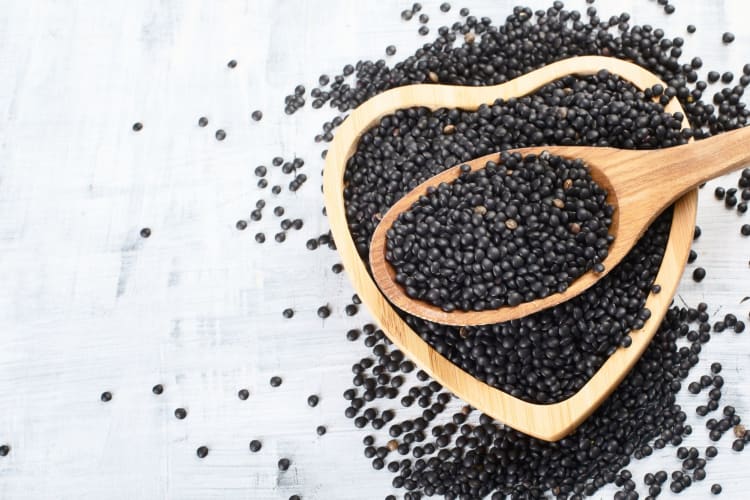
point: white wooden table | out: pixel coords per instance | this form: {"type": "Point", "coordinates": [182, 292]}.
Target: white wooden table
{"type": "Point", "coordinates": [87, 305]}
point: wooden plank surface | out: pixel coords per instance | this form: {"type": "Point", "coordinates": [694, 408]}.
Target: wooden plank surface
{"type": "Point", "coordinates": [87, 305]}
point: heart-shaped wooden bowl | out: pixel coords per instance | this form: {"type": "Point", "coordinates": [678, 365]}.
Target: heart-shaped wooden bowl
{"type": "Point", "coordinates": [544, 421]}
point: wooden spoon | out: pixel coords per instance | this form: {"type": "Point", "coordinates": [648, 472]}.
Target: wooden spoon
{"type": "Point", "coordinates": [640, 185]}
{"type": "Point", "coordinates": [544, 421]}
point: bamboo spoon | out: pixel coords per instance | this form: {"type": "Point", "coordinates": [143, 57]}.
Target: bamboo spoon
{"type": "Point", "coordinates": [544, 421]}
{"type": "Point", "coordinates": [640, 185]}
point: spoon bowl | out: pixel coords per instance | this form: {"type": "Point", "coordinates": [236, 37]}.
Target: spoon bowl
{"type": "Point", "coordinates": [640, 184]}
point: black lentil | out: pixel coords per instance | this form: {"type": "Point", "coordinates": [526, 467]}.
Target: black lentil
{"type": "Point", "coordinates": [257, 115]}
{"type": "Point", "coordinates": [284, 464]}
{"type": "Point", "coordinates": [324, 312]}
{"type": "Point", "coordinates": [106, 396]}
{"type": "Point", "coordinates": [727, 37]}
{"type": "Point", "coordinates": [145, 232]}
{"type": "Point", "coordinates": [202, 452]}
{"type": "Point", "coordinates": [243, 394]}
{"type": "Point", "coordinates": [275, 381]}
{"type": "Point", "coordinates": [202, 121]}
{"type": "Point", "coordinates": [180, 413]}
{"type": "Point", "coordinates": [220, 135]}
{"type": "Point", "coordinates": [4, 450]}
{"type": "Point", "coordinates": [137, 126]}
{"type": "Point", "coordinates": [312, 400]}
{"type": "Point", "coordinates": [288, 313]}
{"type": "Point", "coordinates": [698, 274]}
{"type": "Point", "coordinates": [232, 64]}
{"type": "Point", "coordinates": [157, 389]}
{"type": "Point", "coordinates": [260, 238]}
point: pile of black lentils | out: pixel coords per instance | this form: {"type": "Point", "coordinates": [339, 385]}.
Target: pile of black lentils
{"type": "Point", "coordinates": [451, 450]}
{"type": "Point", "coordinates": [550, 355]}
{"type": "Point", "coordinates": [517, 230]}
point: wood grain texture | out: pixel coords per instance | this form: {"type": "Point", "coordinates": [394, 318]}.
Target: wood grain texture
{"type": "Point", "coordinates": [640, 185]}
{"type": "Point", "coordinates": [87, 306]}
{"type": "Point", "coordinates": [549, 421]}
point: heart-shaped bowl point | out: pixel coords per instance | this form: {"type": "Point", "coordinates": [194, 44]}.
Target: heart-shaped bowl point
{"type": "Point", "coordinates": [544, 421]}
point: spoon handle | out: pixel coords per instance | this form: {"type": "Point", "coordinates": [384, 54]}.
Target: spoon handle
{"type": "Point", "coordinates": [672, 172]}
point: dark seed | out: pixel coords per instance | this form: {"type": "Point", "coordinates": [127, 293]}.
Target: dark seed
{"type": "Point", "coordinates": [284, 464]}
{"type": "Point", "coordinates": [220, 135]}
{"type": "Point", "coordinates": [324, 312]}
{"type": "Point", "coordinates": [106, 396]}
{"type": "Point", "coordinates": [145, 232]}
{"type": "Point", "coordinates": [180, 413]}
{"type": "Point", "coordinates": [275, 381]}
{"type": "Point", "coordinates": [698, 274]}
{"type": "Point", "coordinates": [260, 237]}
{"type": "Point", "coordinates": [320, 430]}
{"type": "Point", "coordinates": [243, 394]}
{"type": "Point", "coordinates": [202, 121]}
{"type": "Point", "coordinates": [157, 389]}
{"type": "Point", "coordinates": [257, 115]}
{"type": "Point", "coordinates": [202, 452]}
{"type": "Point", "coordinates": [4, 450]}
{"type": "Point", "coordinates": [727, 37]}
{"type": "Point", "coordinates": [137, 126]}
{"type": "Point", "coordinates": [255, 445]}
{"type": "Point", "coordinates": [241, 225]}
{"type": "Point", "coordinates": [312, 401]}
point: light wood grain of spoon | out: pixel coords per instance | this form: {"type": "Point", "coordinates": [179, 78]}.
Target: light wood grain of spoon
{"type": "Point", "coordinates": [544, 421]}
{"type": "Point", "coordinates": [640, 184]}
